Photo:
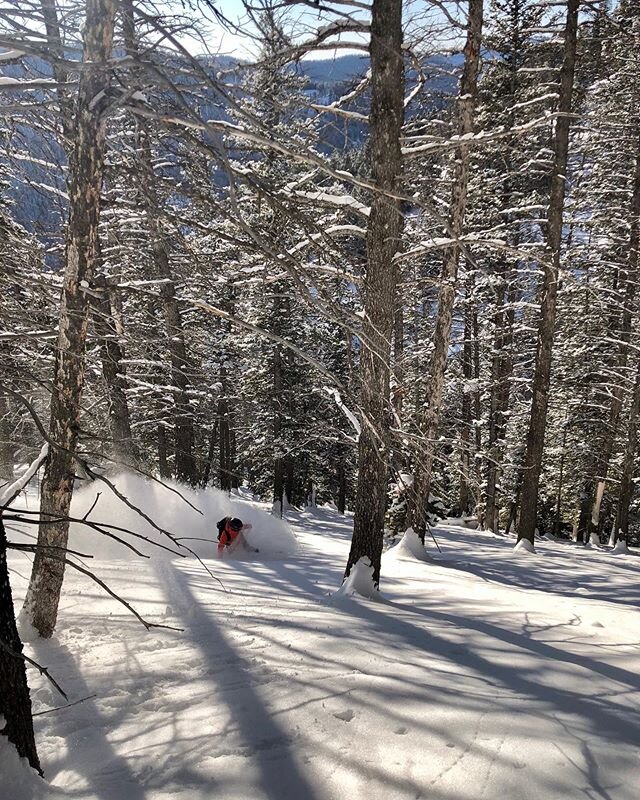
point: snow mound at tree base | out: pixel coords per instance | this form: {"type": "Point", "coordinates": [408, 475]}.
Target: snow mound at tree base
{"type": "Point", "coordinates": [191, 523]}
{"type": "Point", "coordinates": [524, 546]}
{"type": "Point", "coordinates": [409, 546]}
{"type": "Point", "coordinates": [360, 583]}
{"type": "Point", "coordinates": [620, 547]}
{"type": "Point", "coordinates": [19, 781]}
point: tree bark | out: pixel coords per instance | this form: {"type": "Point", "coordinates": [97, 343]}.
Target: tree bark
{"type": "Point", "coordinates": [470, 437]}
{"type": "Point", "coordinates": [185, 462]}
{"type": "Point", "coordinates": [6, 444]}
{"type": "Point", "coordinates": [225, 467]}
{"type": "Point", "coordinates": [449, 276]}
{"type": "Point", "coordinates": [625, 494]}
{"type": "Point", "coordinates": [383, 232]}
{"type": "Point", "coordinates": [43, 595]}
{"type": "Point", "coordinates": [15, 700]}
{"type": "Point", "coordinates": [342, 486]}
{"type": "Point", "coordinates": [163, 452]}
{"type": "Point", "coordinates": [549, 289]}
{"type": "Point", "coordinates": [464, 494]}
{"type": "Point", "coordinates": [55, 47]}
{"type": "Point", "coordinates": [501, 371]}
{"type": "Point", "coordinates": [617, 400]}
{"type": "Point", "coordinates": [124, 448]}
{"type": "Point", "coordinates": [558, 518]}
{"type": "Point", "coordinates": [184, 437]}
{"type": "Point", "coordinates": [278, 461]}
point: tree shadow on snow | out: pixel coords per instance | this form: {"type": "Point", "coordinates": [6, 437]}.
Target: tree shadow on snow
{"type": "Point", "coordinates": [269, 746]}
{"type": "Point", "coordinates": [559, 567]}
{"type": "Point", "coordinates": [89, 751]}
{"type": "Point", "coordinates": [606, 718]}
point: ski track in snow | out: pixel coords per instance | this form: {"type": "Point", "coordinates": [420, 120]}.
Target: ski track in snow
{"type": "Point", "coordinates": [485, 674]}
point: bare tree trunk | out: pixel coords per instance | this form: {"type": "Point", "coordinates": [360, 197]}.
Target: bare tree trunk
{"type": "Point", "coordinates": [206, 471]}
{"type": "Point", "coordinates": [43, 595]}
{"type": "Point", "coordinates": [383, 232]}
{"type": "Point", "coordinates": [124, 448]}
{"type": "Point", "coordinates": [278, 461]}
{"type": "Point", "coordinates": [630, 280]}
{"type": "Point", "coordinates": [225, 468]}
{"type": "Point", "coordinates": [470, 437]}
{"type": "Point", "coordinates": [342, 486]}
{"type": "Point", "coordinates": [449, 275]}
{"type": "Point", "coordinates": [184, 438]}
{"type": "Point", "coordinates": [563, 455]}
{"type": "Point", "coordinates": [549, 289]}
{"type": "Point", "coordinates": [15, 701]}
{"type": "Point", "coordinates": [501, 370]}
{"type": "Point", "coordinates": [60, 73]}
{"type": "Point", "coordinates": [185, 462]}
{"type": "Point", "coordinates": [625, 494]}
{"type": "Point", "coordinates": [289, 481]}
{"type": "Point", "coordinates": [513, 511]}
{"type": "Point", "coordinates": [6, 445]}
{"type": "Point", "coordinates": [163, 452]}
{"type": "Point", "coordinates": [464, 494]}
{"type": "Point", "coordinates": [235, 481]}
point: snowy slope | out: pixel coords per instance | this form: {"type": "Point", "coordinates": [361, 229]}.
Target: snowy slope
{"type": "Point", "coordinates": [482, 674]}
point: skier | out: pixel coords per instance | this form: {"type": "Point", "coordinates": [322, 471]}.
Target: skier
{"type": "Point", "coordinates": [231, 536]}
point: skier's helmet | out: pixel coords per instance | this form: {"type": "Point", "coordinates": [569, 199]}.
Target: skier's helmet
{"type": "Point", "coordinates": [235, 524]}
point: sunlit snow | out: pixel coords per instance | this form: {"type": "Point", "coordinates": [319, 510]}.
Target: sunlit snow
{"type": "Point", "coordinates": [481, 675]}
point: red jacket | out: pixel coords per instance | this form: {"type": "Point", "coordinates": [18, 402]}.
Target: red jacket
{"type": "Point", "coordinates": [227, 537]}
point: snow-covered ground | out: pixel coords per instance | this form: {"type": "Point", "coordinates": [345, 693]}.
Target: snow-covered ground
{"type": "Point", "coordinates": [480, 673]}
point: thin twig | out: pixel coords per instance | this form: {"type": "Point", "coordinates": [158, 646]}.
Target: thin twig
{"type": "Point", "coordinates": [60, 708]}
{"type": "Point", "coordinates": [42, 670]}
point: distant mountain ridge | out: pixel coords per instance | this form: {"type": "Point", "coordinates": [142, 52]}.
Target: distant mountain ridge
{"type": "Point", "coordinates": [345, 68]}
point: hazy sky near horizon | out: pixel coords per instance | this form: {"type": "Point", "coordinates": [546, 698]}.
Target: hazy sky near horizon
{"type": "Point", "coordinates": [301, 20]}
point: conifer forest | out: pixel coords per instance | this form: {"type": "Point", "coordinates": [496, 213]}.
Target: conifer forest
{"type": "Point", "coordinates": [377, 254]}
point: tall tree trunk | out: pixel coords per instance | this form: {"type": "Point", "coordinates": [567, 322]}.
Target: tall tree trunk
{"type": "Point", "coordinates": [235, 481]}
{"type": "Point", "coordinates": [124, 448]}
{"type": "Point", "coordinates": [558, 520]}
{"type": "Point", "coordinates": [43, 595]}
{"type": "Point", "coordinates": [163, 452]}
{"type": "Point", "coordinates": [6, 443]}
{"type": "Point", "coordinates": [15, 701]}
{"type": "Point", "coordinates": [501, 370]}
{"type": "Point", "coordinates": [625, 494]}
{"type": "Point", "coordinates": [56, 50]}
{"type": "Point", "coordinates": [289, 482]}
{"type": "Point", "coordinates": [630, 283]}
{"type": "Point", "coordinates": [383, 232]}
{"type": "Point", "coordinates": [449, 275]}
{"type": "Point", "coordinates": [464, 494]}
{"type": "Point", "coordinates": [342, 486]}
{"type": "Point", "coordinates": [224, 446]}
{"type": "Point", "coordinates": [398, 389]}
{"type": "Point", "coordinates": [184, 438]}
{"type": "Point", "coordinates": [470, 436]}
{"type": "Point", "coordinates": [206, 471]}
{"type": "Point", "coordinates": [549, 289]}
{"type": "Point", "coordinates": [278, 461]}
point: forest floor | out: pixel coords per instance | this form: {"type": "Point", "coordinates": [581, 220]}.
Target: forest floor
{"type": "Point", "coordinates": [480, 673]}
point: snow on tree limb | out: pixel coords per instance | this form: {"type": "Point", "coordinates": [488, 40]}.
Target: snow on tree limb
{"type": "Point", "coordinates": [9, 493]}
{"type": "Point", "coordinates": [355, 422]}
